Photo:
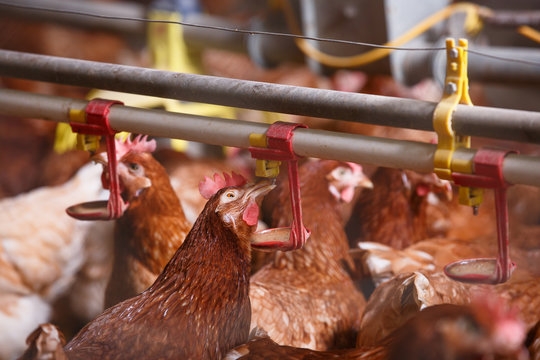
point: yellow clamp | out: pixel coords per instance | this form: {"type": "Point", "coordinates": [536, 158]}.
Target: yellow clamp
{"type": "Point", "coordinates": [84, 142]}
{"type": "Point", "coordinates": [456, 91]}
{"type": "Point", "coordinates": [263, 168]}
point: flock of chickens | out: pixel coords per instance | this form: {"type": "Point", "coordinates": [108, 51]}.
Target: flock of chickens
{"type": "Point", "coordinates": [157, 284]}
{"type": "Point", "coordinates": [175, 276]}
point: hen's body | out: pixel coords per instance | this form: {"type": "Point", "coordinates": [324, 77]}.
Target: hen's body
{"type": "Point", "coordinates": [400, 298]}
{"type": "Point", "coordinates": [261, 347]}
{"type": "Point", "coordinates": [148, 233]}
{"type": "Point", "coordinates": [198, 308]}
{"type": "Point", "coordinates": [168, 320]}
{"type": "Point", "coordinates": [305, 298]}
{"type": "Point", "coordinates": [395, 212]}
{"type": "Point", "coordinates": [41, 251]}
{"type": "Point", "coordinates": [454, 332]}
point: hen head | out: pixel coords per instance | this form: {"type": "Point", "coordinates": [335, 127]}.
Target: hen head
{"type": "Point", "coordinates": [486, 329]}
{"type": "Point", "coordinates": [46, 342]}
{"type": "Point", "coordinates": [489, 328]}
{"type": "Point", "coordinates": [236, 203]}
{"type": "Point", "coordinates": [418, 185]}
{"type": "Point", "coordinates": [505, 330]}
{"type": "Point", "coordinates": [343, 180]}
{"type": "Point", "coordinates": [136, 168]}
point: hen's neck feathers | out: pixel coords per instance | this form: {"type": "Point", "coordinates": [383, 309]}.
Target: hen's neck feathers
{"type": "Point", "coordinates": [385, 213]}
{"type": "Point", "coordinates": [211, 245]}
{"type": "Point", "coordinates": [154, 225]}
{"type": "Point", "coordinates": [328, 243]}
{"type": "Point", "coordinates": [209, 275]}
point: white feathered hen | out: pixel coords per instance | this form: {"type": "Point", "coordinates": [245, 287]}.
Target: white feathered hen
{"type": "Point", "coordinates": [42, 250]}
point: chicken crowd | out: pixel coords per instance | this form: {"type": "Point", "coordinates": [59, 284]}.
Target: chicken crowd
{"type": "Point", "coordinates": [175, 277]}
{"type": "Point", "coordinates": [153, 284]}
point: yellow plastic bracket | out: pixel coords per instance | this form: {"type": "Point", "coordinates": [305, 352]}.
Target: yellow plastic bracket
{"type": "Point", "coordinates": [264, 168]}
{"type": "Point", "coordinates": [84, 142]}
{"type": "Point", "coordinates": [456, 91]}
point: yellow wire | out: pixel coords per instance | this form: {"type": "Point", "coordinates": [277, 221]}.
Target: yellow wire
{"type": "Point", "coordinates": [529, 32]}
{"type": "Point", "coordinates": [472, 24]}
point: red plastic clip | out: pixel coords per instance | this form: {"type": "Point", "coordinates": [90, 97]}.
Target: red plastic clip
{"type": "Point", "coordinates": [279, 148]}
{"type": "Point", "coordinates": [97, 123]}
{"type": "Point", "coordinates": [488, 174]}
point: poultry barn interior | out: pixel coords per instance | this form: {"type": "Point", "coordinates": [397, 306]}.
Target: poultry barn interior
{"type": "Point", "coordinates": [287, 179]}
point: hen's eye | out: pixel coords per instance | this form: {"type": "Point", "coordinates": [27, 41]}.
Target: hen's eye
{"type": "Point", "coordinates": [230, 195]}
{"type": "Point", "coordinates": [342, 171]}
{"type": "Point", "coordinates": [134, 166]}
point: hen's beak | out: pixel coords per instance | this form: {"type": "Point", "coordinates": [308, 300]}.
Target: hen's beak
{"type": "Point", "coordinates": [258, 190]}
{"type": "Point", "coordinates": [100, 158]}
{"type": "Point", "coordinates": [448, 191]}
{"type": "Point", "coordinates": [445, 187]}
{"type": "Point", "coordinates": [365, 182]}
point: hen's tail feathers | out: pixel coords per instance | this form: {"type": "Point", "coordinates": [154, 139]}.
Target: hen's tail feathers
{"type": "Point", "coordinates": [382, 262]}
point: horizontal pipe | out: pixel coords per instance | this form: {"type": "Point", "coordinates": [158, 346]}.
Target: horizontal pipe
{"type": "Point", "coordinates": [268, 50]}
{"type": "Point", "coordinates": [486, 69]}
{"type": "Point", "coordinates": [120, 9]}
{"type": "Point", "coordinates": [519, 169]}
{"type": "Point", "coordinates": [195, 37]}
{"type": "Point", "coordinates": [418, 65]}
{"type": "Point", "coordinates": [517, 125]}
{"type": "Point", "coordinates": [511, 18]}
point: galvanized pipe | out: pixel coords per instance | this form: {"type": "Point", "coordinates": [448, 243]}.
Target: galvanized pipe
{"type": "Point", "coordinates": [262, 49]}
{"type": "Point", "coordinates": [195, 37]}
{"type": "Point", "coordinates": [418, 65]}
{"type": "Point", "coordinates": [121, 9]}
{"type": "Point", "coordinates": [511, 18]}
{"type": "Point", "coordinates": [514, 125]}
{"type": "Point", "coordinates": [416, 156]}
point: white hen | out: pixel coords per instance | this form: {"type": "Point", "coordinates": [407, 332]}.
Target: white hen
{"type": "Point", "coordinates": [41, 251]}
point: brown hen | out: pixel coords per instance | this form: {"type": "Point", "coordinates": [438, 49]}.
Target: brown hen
{"type": "Point", "coordinates": [261, 347]}
{"type": "Point", "coordinates": [382, 262]}
{"type": "Point", "coordinates": [305, 298]}
{"type": "Point", "coordinates": [151, 228]}
{"type": "Point", "coordinates": [485, 329]}
{"type": "Point", "coordinates": [45, 343]}
{"type": "Point", "coordinates": [398, 299]}
{"type": "Point", "coordinates": [198, 307]}
{"type": "Point", "coordinates": [395, 212]}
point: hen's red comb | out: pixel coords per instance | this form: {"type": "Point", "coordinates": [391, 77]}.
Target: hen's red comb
{"type": "Point", "coordinates": [493, 306]}
{"type": "Point", "coordinates": [140, 144]}
{"type": "Point", "coordinates": [209, 187]}
{"type": "Point", "coordinates": [356, 168]}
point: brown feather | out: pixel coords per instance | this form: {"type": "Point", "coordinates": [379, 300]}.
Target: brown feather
{"type": "Point", "coordinates": [305, 298]}
{"type": "Point", "coordinates": [148, 233]}
{"type": "Point", "coordinates": [198, 308]}
{"type": "Point", "coordinates": [393, 213]}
